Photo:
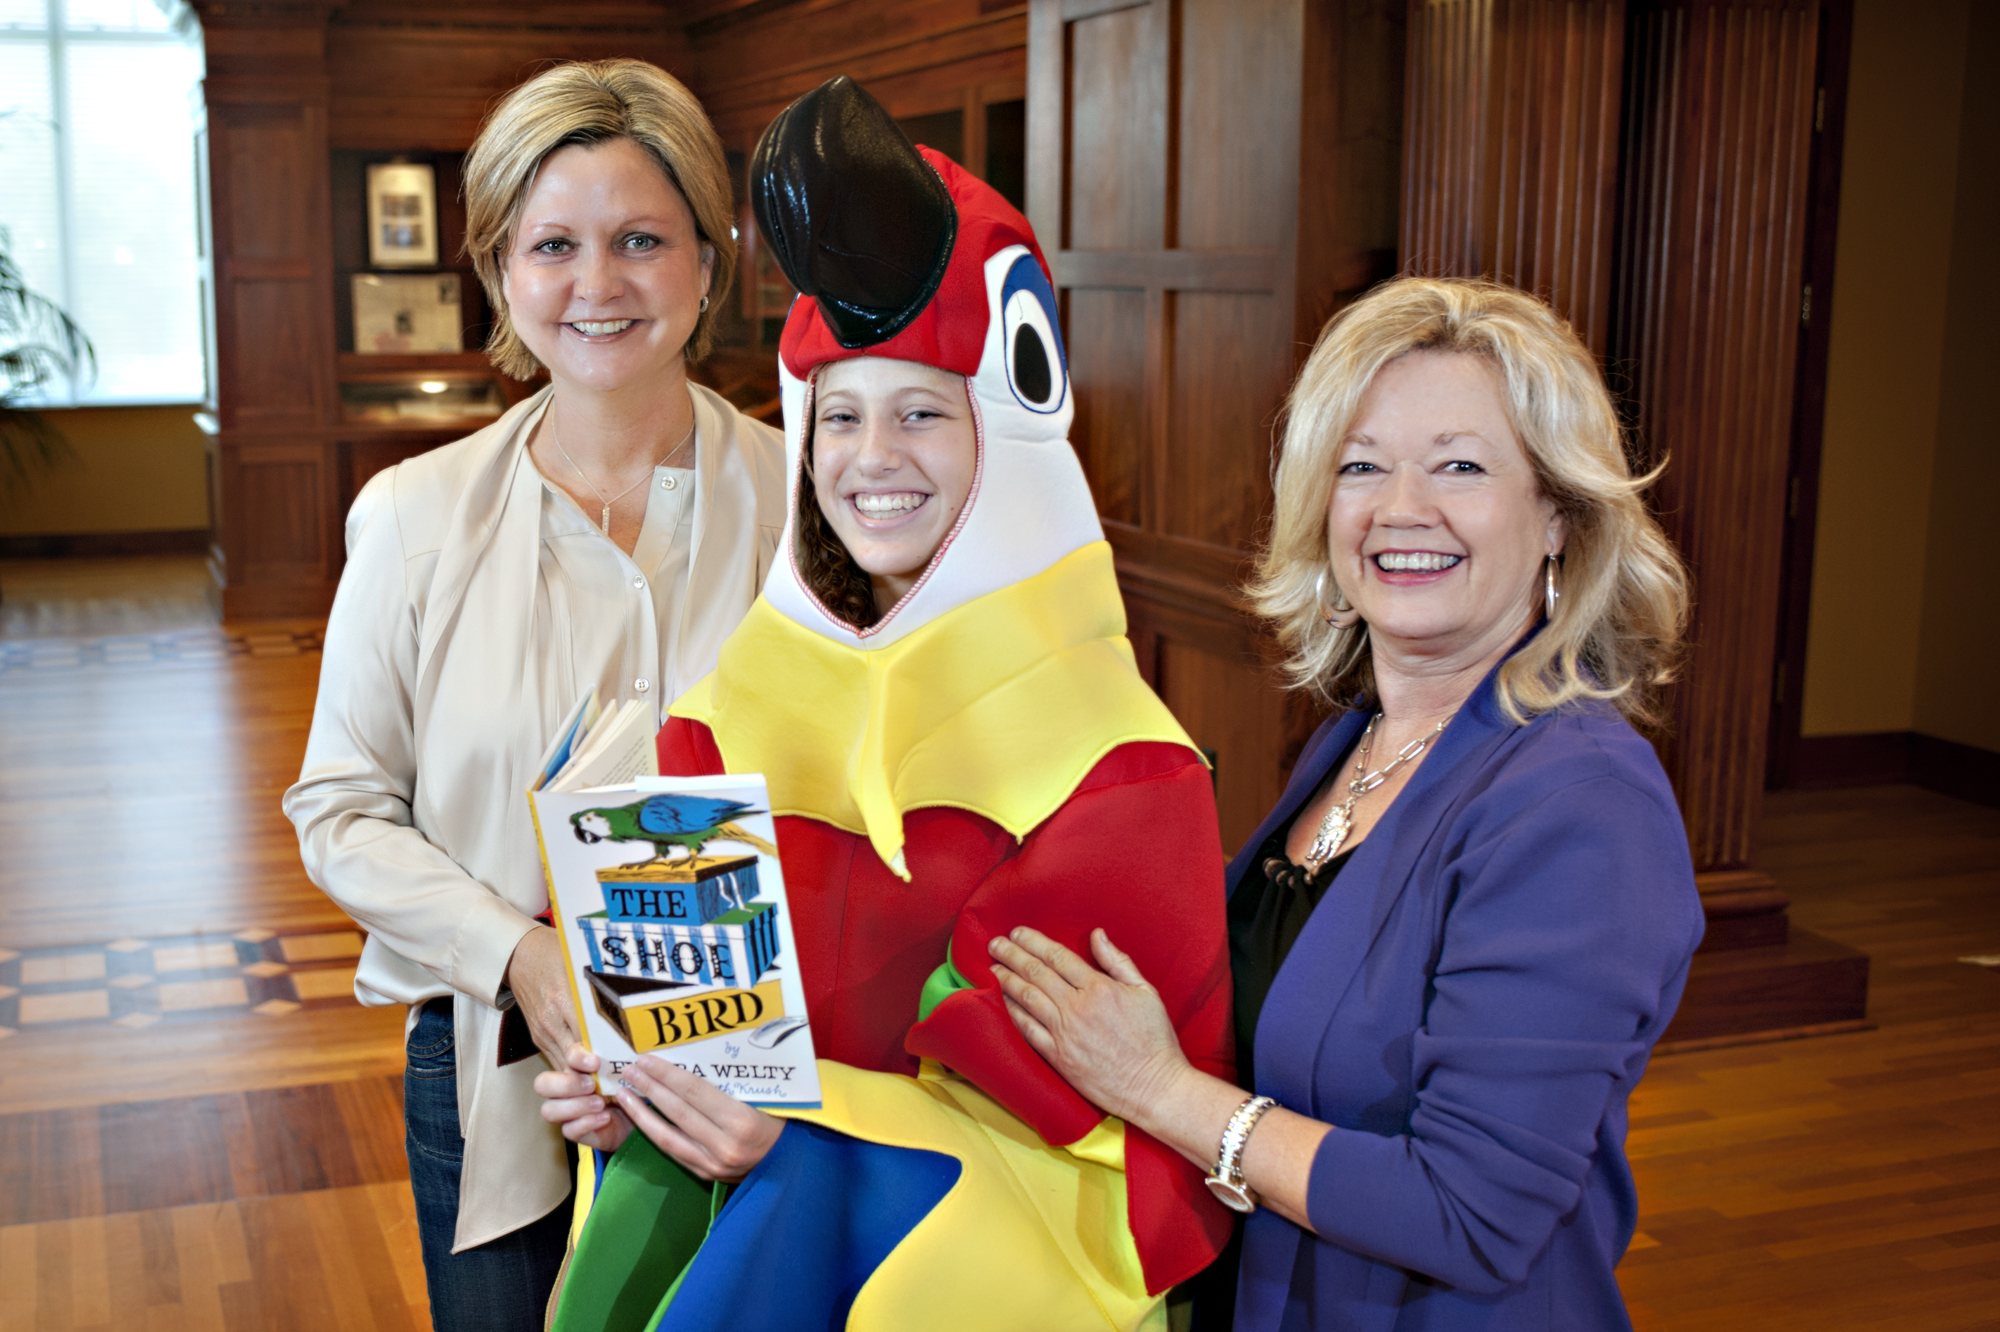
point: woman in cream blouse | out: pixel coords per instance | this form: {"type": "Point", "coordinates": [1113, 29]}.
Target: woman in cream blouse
{"type": "Point", "coordinates": [609, 531]}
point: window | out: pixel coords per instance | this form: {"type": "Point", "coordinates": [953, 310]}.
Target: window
{"type": "Point", "coordinates": [97, 185]}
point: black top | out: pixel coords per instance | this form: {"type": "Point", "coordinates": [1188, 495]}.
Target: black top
{"type": "Point", "coordinates": [1269, 908]}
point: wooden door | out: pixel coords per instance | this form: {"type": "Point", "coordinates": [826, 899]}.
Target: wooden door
{"type": "Point", "coordinates": [1206, 206]}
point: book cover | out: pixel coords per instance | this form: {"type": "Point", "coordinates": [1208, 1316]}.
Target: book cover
{"type": "Point", "coordinates": [669, 898]}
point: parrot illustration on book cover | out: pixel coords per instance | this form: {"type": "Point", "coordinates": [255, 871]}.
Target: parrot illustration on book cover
{"type": "Point", "coordinates": [665, 821]}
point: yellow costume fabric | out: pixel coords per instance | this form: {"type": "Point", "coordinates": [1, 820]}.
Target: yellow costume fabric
{"type": "Point", "coordinates": [1035, 1209]}
{"type": "Point", "coordinates": [1000, 707]}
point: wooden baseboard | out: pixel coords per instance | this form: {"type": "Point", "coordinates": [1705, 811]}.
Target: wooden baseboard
{"type": "Point", "coordinates": [1952, 769]}
{"type": "Point", "coordinates": [104, 545]}
{"type": "Point", "coordinates": [1876, 758]}
{"type": "Point", "coordinates": [1883, 758]}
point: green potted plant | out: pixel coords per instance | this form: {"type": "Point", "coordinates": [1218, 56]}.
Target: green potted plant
{"type": "Point", "coordinates": [39, 344]}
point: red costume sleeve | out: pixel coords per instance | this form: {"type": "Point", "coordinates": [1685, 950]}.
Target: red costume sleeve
{"type": "Point", "coordinates": [1135, 851]}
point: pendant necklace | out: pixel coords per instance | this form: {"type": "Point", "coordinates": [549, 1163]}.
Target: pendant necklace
{"type": "Point", "coordinates": [1339, 821]}
{"type": "Point", "coordinates": [604, 523]}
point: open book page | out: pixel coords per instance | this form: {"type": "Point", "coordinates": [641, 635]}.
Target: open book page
{"type": "Point", "coordinates": [669, 899]}
{"type": "Point", "coordinates": [618, 750]}
{"type": "Point", "coordinates": [569, 736]}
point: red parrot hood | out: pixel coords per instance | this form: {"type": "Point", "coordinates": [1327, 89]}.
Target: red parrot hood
{"type": "Point", "coordinates": [898, 252]}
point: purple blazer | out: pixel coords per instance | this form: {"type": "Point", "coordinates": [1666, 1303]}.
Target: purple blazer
{"type": "Point", "coordinates": [1470, 1006]}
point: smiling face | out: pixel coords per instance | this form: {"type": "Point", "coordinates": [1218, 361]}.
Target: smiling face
{"type": "Point", "coordinates": [894, 456]}
{"type": "Point", "coordinates": [605, 273]}
{"type": "Point", "coordinates": [1437, 528]}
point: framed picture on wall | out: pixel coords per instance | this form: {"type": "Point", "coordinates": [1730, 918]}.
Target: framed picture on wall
{"type": "Point", "coordinates": [402, 215]}
{"type": "Point", "coordinates": [407, 312]}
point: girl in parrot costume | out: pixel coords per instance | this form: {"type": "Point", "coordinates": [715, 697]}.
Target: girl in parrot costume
{"type": "Point", "coordinates": [980, 755]}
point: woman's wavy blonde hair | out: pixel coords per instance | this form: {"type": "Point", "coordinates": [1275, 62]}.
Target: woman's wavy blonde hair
{"type": "Point", "coordinates": [592, 102]}
{"type": "Point", "coordinates": [1617, 628]}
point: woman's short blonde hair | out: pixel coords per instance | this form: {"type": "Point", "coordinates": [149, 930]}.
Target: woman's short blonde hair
{"type": "Point", "coordinates": [592, 102]}
{"type": "Point", "coordinates": [1618, 624]}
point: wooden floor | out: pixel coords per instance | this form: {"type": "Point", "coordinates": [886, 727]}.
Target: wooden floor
{"type": "Point", "coordinates": [230, 1168]}
{"type": "Point", "coordinates": [237, 1162]}
{"type": "Point", "coordinates": [1847, 1181]}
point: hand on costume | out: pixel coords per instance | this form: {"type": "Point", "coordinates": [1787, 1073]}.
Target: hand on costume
{"type": "Point", "coordinates": [707, 1130]}
{"type": "Point", "coordinates": [538, 974]}
{"type": "Point", "coordinates": [571, 1101]}
{"type": "Point", "coordinates": [1105, 1031]}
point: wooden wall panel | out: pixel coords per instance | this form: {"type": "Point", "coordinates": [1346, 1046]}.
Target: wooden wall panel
{"type": "Point", "coordinates": [1234, 147]}
{"type": "Point", "coordinates": [266, 97]}
{"type": "Point", "coordinates": [1190, 165]}
{"type": "Point", "coordinates": [284, 501]}
{"type": "Point", "coordinates": [269, 183]}
{"type": "Point", "coordinates": [423, 78]}
{"type": "Point", "coordinates": [1722, 139]}
{"type": "Point", "coordinates": [1117, 97]}
{"type": "Point", "coordinates": [915, 56]}
{"type": "Point", "coordinates": [264, 369]}
{"type": "Point", "coordinates": [1204, 687]}
{"type": "Point", "coordinates": [1229, 373]}
{"type": "Point", "coordinates": [1511, 147]}
{"type": "Point", "coordinates": [1107, 356]}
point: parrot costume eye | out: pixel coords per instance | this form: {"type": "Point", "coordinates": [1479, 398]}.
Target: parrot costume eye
{"type": "Point", "coordinates": [1035, 368]}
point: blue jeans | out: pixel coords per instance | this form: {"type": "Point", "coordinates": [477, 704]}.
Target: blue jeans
{"type": "Point", "coordinates": [502, 1285]}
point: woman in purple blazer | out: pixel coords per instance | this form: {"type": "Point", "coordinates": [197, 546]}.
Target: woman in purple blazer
{"type": "Point", "coordinates": [1458, 935]}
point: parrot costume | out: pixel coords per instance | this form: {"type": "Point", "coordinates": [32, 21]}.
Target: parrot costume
{"type": "Point", "coordinates": [985, 755]}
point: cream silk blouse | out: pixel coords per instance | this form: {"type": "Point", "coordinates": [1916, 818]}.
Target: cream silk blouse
{"type": "Point", "coordinates": [477, 605]}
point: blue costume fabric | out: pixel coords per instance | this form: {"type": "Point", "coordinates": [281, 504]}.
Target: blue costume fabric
{"type": "Point", "coordinates": [872, 1196]}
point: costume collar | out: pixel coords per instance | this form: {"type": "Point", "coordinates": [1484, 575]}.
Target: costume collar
{"type": "Point", "coordinates": [1000, 706]}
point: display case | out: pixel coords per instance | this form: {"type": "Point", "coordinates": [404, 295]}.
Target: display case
{"type": "Point", "coordinates": [394, 407]}
{"type": "Point", "coordinates": [426, 399]}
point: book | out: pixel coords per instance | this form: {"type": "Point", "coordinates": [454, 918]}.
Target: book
{"type": "Point", "coordinates": [600, 748]}
{"type": "Point", "coordinates": [582, 717]}
{"type": "Point", "coordinates": [669, 898]}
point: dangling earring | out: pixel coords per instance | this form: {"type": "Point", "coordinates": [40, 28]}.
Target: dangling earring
{"type": "Point", "coordinates": [1341, 615]}
{"type": "Point", "coordinates": [1549, 594]}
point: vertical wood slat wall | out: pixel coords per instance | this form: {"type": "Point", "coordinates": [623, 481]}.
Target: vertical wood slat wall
{"type": "Point", "coordinates": [1511, 144]}
{"type": "Point", "coordinates": [1193, 173]}
{"type": "Point", "coordinates": [1723, 143]}
{"type": "Point", "coordinates": [1674, 247]}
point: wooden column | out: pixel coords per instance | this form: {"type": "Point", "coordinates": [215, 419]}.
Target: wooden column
{"type": "Point", "coordinates": [1675, 246]}
{"type": "Point", "coordinates": [1510, 147]}
{"type": "Point", "coordinates": [1721, 136]}
{"type": "Point", "coordinates": [277, 521]}
{"type": "Point", "coordinates": [1211, 179]}
{"type": "Point", "coordinates": [1710, 309]}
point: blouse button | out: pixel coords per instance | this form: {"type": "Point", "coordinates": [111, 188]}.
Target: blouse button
{"type": "Point", "coordinates": [668, 483]}
{"type": "Point", "coordinates": [638, 580]}
{"type": "Point", "coordinates": [641, 685]}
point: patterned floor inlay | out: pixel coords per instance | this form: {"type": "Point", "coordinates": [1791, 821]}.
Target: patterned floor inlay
{"type": "Point", "coordinates": [133, 983]}
{"type": "Point", "coordinates": [194, 645]}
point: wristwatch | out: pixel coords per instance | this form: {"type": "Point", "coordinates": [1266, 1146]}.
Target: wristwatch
{"type": "Point", "coordinates": [1226, 1180]}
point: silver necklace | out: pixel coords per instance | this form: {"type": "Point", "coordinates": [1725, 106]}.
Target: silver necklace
{"type": "Point", "coordinates": [604, 523]}
{"type": "Point", "coordinates": [1339, 820]}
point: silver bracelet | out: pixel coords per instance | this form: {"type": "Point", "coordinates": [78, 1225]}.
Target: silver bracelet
{"type": "Point", "coordinates": [1226, 1180]}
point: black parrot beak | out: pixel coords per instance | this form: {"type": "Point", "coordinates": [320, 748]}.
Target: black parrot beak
{"type": "Point", "coordinates": [855, 216]}
{"type": "Point", "coordinates": [586, 836]}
